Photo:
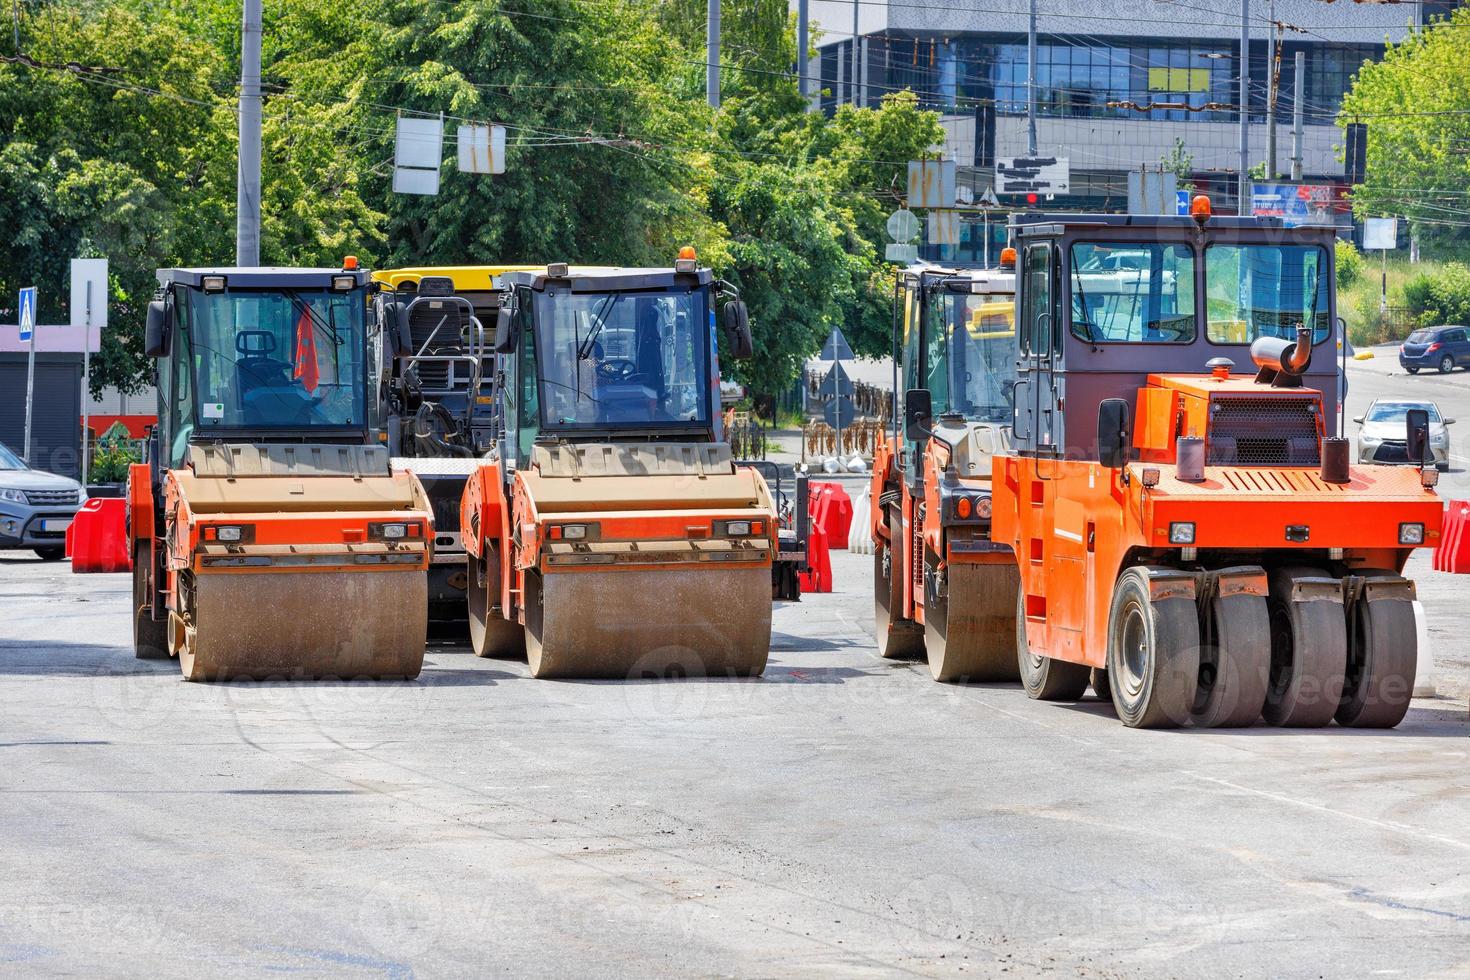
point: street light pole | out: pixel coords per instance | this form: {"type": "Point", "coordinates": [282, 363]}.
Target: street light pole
{"type": "Point", "coordinates": [803, 48]}
{"type": "Point", "coordinates": [712, 54]}
{"type": "Point", "coordinates": [1031, 83]}
{"type": "Point", "coordinates": [247, 192]}
{"type": "Point", "coordinates": [1271, 75]}
{"type": "Point", "coordinates": [1243, 183]}
{"type": "Point", "coordinates": [856, 34]}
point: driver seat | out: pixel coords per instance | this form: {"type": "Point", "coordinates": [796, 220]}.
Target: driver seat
{"type": "Point", "coordinates": [255, 367]}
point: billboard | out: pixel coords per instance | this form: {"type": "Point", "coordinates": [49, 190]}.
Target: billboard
{"type": "Point", "coordinates": [1299, 204]}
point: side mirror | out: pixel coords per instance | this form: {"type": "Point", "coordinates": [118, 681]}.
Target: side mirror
{"type": "Point", "coordinates": [156, 334]}
{"type": "Point", "coordinates": [506, 334]}
{"type": "Point", "coordinates": [1417, 425]}
{"type": "Point", "coordinates": [736, 319]}
{"type": "Point", "coordinates": [1448, 421]}
{"type": "Point", "coordinates": [918, 413]}
{"type": "Point", "coordinates": [1358, 419]}
{"type": "Point", "coordinates": [1113, 442]}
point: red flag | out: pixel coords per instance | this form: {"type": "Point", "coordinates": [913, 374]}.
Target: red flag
{"type": "Point", "coordinates": [306, 367]}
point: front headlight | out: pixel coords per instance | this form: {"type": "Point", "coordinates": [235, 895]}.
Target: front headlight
{"type": "Point", "coordinates": [14, 496]}
{"type": "Point", "coordinates": [1370, 440]}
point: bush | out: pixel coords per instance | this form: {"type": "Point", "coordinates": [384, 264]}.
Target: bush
{"type": "Point", "coordinates": [110, 461]}
{"type": "Point", "coordinates": [1442, 296]}
{"type": "Point", "coordinates": [1350, 264]}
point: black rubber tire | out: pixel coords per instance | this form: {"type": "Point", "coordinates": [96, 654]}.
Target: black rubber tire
{"type": "Point", "coordinates": [1045, 678]}
{"type": "Point", "coordinates": [1153, 654]}
{"type": "Point", "coordinates": [968, 634]}
{"type": "Point", "coordinates": [1412, 370]}
{"type": "Point", "coordinates": [1383, 654]}
{"type": "Point", "coordinates": [1308, 654]}
{"type": "Point", "coordinates": [902, 639]}
{"type": "Point", "coordinates": [1100, 684]}
{"type": "Point", "coordinates": [150, 636]}
{"type": "Point", "coordinates": [53, 553]}
{"type": "Point", "coordinates": [490, 634]}
{"type": "Point", "coordinates": [1446, 364]}
{"type": "Point", "coordinates": [1235, 662]}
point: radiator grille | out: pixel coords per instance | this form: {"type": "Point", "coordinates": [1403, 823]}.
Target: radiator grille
{"type": "Point", "coordinates": [1278, 430]}
{"type": "Point", "coordinates": [51, 498]}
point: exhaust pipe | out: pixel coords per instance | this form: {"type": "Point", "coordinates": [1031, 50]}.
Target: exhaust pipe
{"type": "Point", "coordinates": [1279, 359]}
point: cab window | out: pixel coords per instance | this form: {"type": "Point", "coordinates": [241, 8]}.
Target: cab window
{"type": "Point", "coordinates": [1127, 292]}
{"type": "Point", "coordinates": [1037, 298]}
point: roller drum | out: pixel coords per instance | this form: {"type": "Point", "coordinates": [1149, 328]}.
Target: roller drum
{"type": "Point", "coordinates": [631, 623]}
{"type": "Point", "coordinates": [302, 625]}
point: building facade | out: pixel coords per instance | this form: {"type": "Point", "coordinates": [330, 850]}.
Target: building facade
{"type": "Point", "coordinates": [1135, 84]}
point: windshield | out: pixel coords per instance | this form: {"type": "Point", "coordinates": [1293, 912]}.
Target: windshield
{"type": "Point", "coordinates": [623, 359]}
{"type": "Point", "coordinates": [971, 356]}
{"type": "Point", "coordinates": [279, 358]}
{"type": "Point", "coordinates": [1265, 291]}
{"type": "Point", "coordinates": [10, 461]}
{"type": "Point", "coordinates": [1399, 411]}
{"type": "Point", "coordinates": [1123, 293]}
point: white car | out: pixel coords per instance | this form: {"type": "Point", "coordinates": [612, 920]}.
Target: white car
{"type": "Point", "coordinates": [1382, 437]}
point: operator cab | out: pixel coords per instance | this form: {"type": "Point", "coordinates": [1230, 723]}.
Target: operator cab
{"type": "Point", "coordinates": [259, 354]}
{"type": "Point", "coordinates": [957, 339]}
{"type": "Point", "coordinates": [1149, 309]}
{"type": "Point", "coordinates": [599, 353]}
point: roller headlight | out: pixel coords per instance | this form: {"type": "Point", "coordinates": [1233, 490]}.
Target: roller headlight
{"type": "Point", "coordinates": [1181, 532]}
{"type": "Point", "coordinates": [1411, 534]}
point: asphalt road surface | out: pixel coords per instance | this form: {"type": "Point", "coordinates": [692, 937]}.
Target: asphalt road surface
{"type": "Point", "coordinates": [841, 816]}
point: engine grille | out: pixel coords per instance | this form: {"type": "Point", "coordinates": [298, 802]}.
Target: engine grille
{"type": "Point", "coordinates": [1391, 451]}
{"type": "Point", "coordinates": [1278, 430]}
{"type": "Point", "coordinates": [51, 498]}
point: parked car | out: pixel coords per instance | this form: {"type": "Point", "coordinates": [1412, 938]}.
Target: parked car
{"type": "Point", "coordinates": [1382, 437]}
{"type": "Point", "coordinates": [1443, 348]}
{"type": "Point", "coordinates": [36, 507]}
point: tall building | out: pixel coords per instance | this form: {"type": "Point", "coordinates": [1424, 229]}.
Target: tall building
{"type": "Point", "coordinates": [1120, 87]}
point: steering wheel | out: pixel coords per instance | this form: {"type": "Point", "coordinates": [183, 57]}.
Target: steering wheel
{"type": "Point", "coordinates": [616, 369]}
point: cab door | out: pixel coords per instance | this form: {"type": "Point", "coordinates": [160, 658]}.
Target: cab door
{"type": "Point", "coordinates": [1036, 420]}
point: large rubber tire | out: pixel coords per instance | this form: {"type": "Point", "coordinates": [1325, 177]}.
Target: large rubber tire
{"type": "Point", "coordinates": [1235, 662]}
{"type": "Point", "coordinates": [1101, 687]}
{"type": "Point", "coordinates": [899, 639]}
{"type": "Point", "coordinates": [491, 635]}
{"type": "Point", "coordinates": [1383, 654]}
{"type": "Point", "coordinates": [150, 637]}
{"type": "Point", "coordinates": [55, 553]}
{"type": "Point", "coordinates": [969, 634]}
{"type": "Point", "coordinates": [1153, 654]}
{"type": "Point", "coordinates": [1412, 370]}
{"type": "Point", "coordinates": [1045, 678]}
{"type": "Point", "coordinates": [1308, 652]}
{"type": "Point", "coordinates": [1446, 364]}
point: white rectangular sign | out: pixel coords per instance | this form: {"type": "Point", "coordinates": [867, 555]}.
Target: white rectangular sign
{"type": "Point", "coordinates": [417, 154]}
{"type": "Point", "coordinates": [931, 184]}
{"type": "Point", "coordinates": [481, 149]}
{"type": "Point", "coordinates": [1033, 175]}
{"type": "Point", "coordinates": [89, 292]}
{"type": "Point", "coordinates": [944, 227]}
{"type": "Point", "coordinates": [1381, 233]}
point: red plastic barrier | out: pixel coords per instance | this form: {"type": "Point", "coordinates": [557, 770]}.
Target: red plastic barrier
{"type": "Point", "coordinates": [819, 578]}
{"type": "Point", "coordinates": [97, 540]}
{"type": "Point", "coordinates": [831, 508]}
{"type": "Point", "coordinates": [1453, 552]}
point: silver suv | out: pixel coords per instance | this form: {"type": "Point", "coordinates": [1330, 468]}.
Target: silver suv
{"type": "Point", "coordinates": [36, 507]}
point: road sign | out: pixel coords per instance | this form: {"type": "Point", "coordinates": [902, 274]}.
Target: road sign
{"type": "Point", "coordinates": [27, 314]}
{"type": "Point", "coordinates": [989, 200]}
{"type": "Point", "coordinates": [944, 227]}
{"type": "Point", "coordinates": [902, 254]}
{"type": "Point", "coordinates": [481, 149]}
{"type": "Point", "coordinates": [1381, 233]}
{"type": "Point", "coordinates": [1181, 202]}
{"type": "Point", "coordinates": [903, 225]}
{"type": "Point", "coordinates": [931, 183]}
{"type": "Point", "coordinates": [836, 347]}
{"type": "Point", "coordinates": [836, 382]}
{"type": "Point", "coordinates": [1033, 175]}
{"type": "Point", "coordinates": [417, 154]}
{"type": "Point", "coordinates": [840, 414]}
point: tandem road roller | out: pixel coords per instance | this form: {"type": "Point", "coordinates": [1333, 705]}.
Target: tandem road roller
{"type": "Point", "coordinates": [609, 534]}
{"type": "Point", "coordinates": [269, 537]}
{"type": "Point", "coordinates": [1180, 503]}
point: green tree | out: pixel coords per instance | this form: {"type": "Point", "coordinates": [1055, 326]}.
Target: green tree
{"type": "Point", "coordinates": [1416, 104]}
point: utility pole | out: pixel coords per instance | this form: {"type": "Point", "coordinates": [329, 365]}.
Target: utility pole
{"type": "Point", "coordinates": [803, 47]}
{"type": "Point", "coordinates": [247, 197]}
{"type": "Point", "coordinates": [1031, 83]}
{"type": "Point", "coordinates": [1273, 78]}
{"type": "Point", "coordinates": [856, 33]}
{"type": "Point", "coordinates": [1298, 90]}
{"type": "Point", "coordinates": [1243, 184]}
{"type": "Point", "coordinates": [712, 54]}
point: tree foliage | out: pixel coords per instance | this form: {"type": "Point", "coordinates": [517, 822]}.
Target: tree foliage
{"type": "Point", "coordinates": [1416, 104]}
{"type": "Point", "coordinates": [613, 157]}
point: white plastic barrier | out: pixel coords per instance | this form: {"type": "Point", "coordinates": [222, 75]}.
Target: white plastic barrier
{"type": "Point", "coordinates": [1424, 672]}
{"type": "Point", "coordinates": [860, 536]}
